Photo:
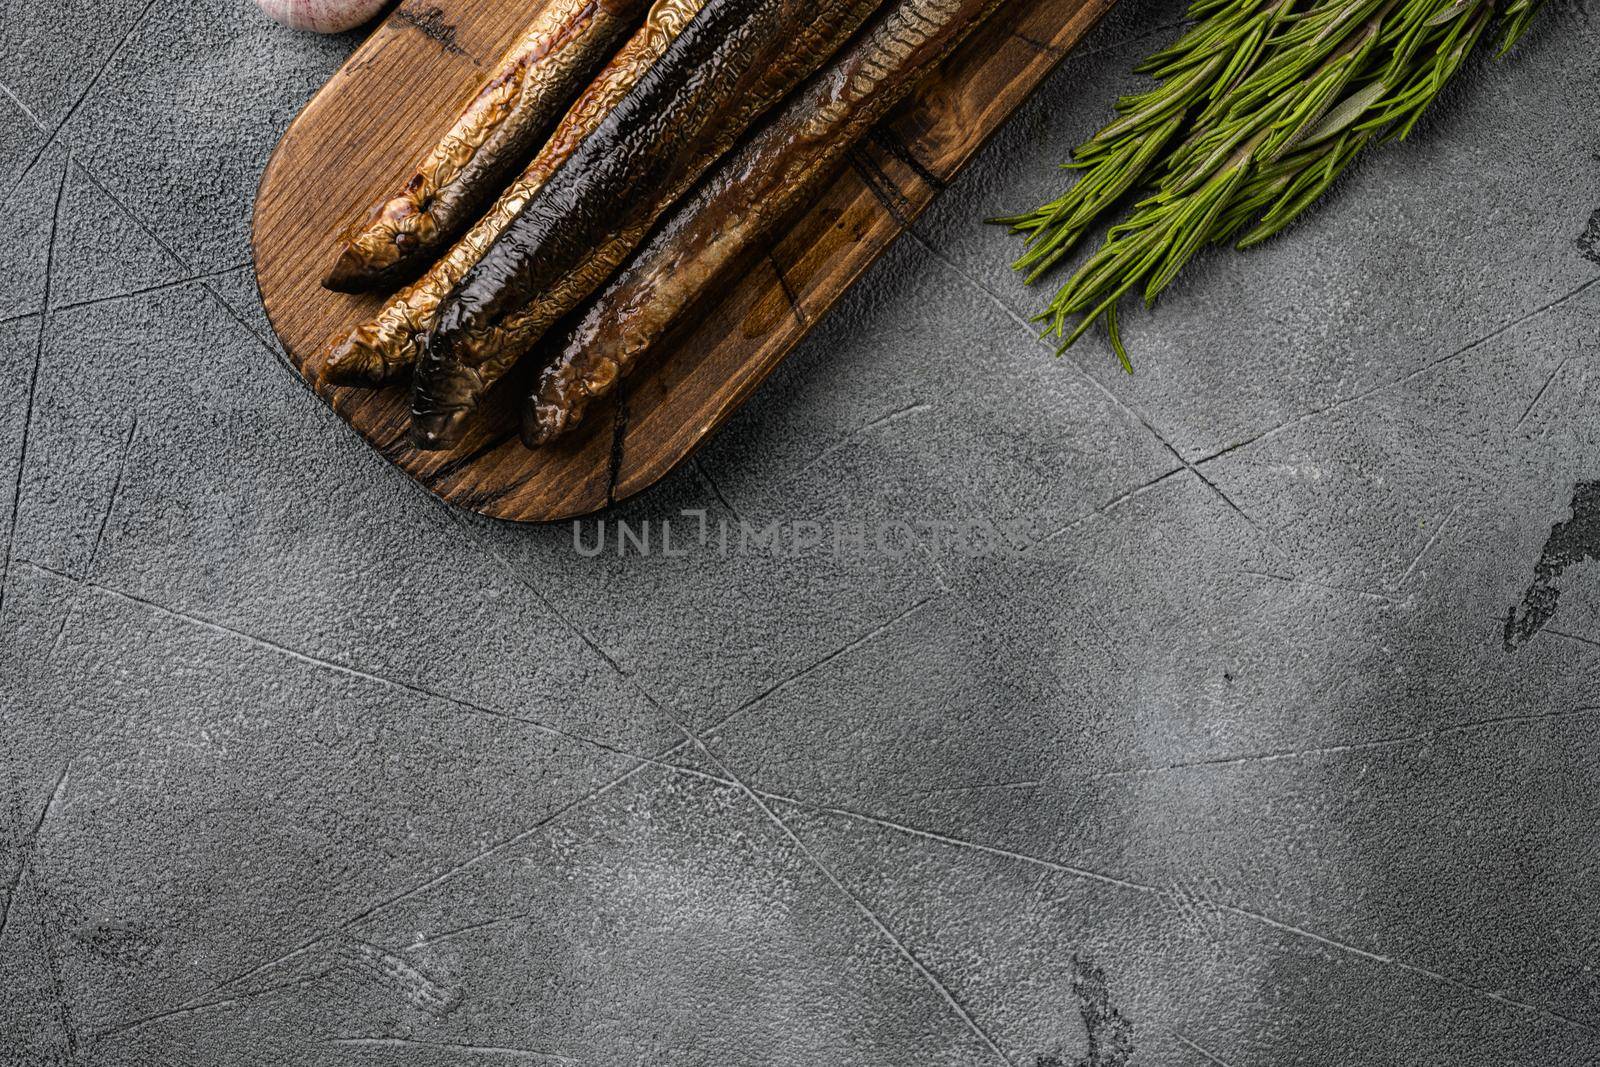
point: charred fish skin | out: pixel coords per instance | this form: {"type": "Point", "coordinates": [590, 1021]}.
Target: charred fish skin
{"type": "Point", "coordinates": [385, 348]}
{"type": "Point", "coordinates": [492, 139]}
{"type": "Point", "coordinates": [731, 63]}
{"type": "Point", "coordinates": [784, 165]}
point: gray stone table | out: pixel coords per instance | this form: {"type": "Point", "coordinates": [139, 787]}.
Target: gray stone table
{"type": "Point", "coordinates": [1266, 732]}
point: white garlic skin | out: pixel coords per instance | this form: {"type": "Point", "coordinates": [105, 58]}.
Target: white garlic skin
{"type": "Point", "coordinates": [322, 16]}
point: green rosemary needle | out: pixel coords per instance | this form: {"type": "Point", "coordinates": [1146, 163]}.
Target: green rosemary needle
{"type": "Point", "coordinates": [1257, 109]}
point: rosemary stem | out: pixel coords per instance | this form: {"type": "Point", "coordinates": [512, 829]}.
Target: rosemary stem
{"type": "Point", "coordinates": [1257, 109]}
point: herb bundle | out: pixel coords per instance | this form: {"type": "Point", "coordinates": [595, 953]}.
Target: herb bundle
{"type": "Point", "coordinates": [1259, 107]}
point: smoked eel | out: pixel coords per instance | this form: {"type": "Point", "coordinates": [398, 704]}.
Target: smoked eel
{"type": "Point", "coordinates": [783, 166]}
{"type": "Point", "coordinates": [386, 346]}
{"type": "Point", "coordinates": [732, 62]}
{"type": "Point", "coordinates": [495, 136]}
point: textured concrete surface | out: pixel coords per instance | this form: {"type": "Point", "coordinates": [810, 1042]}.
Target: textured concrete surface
{"type": "Point", "coordinates": [1271, 737]}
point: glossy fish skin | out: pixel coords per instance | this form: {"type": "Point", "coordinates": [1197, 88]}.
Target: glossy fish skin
{"type": "Point", "coordinates": [729, 65]}
{"type": "Point", "coordinates": [385, 348]}
{"type": "Point", "coordinates": [784, 165]}
{"type": "Point", "coordinates": [494, 137]}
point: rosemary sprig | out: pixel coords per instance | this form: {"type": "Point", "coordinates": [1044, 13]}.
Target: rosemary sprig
{"type": "Point", "coordinates": [1257, 109]}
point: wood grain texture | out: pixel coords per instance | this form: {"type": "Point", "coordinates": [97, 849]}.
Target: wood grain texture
{"type": "Point", "coordinates": [405, 85]}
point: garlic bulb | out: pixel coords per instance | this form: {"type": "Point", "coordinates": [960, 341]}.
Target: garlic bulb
{"type": "Point", "coordinates": [322, 16]}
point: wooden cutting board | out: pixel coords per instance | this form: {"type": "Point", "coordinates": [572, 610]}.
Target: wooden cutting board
{"type": "Point", "coordinates": [362, 133]}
